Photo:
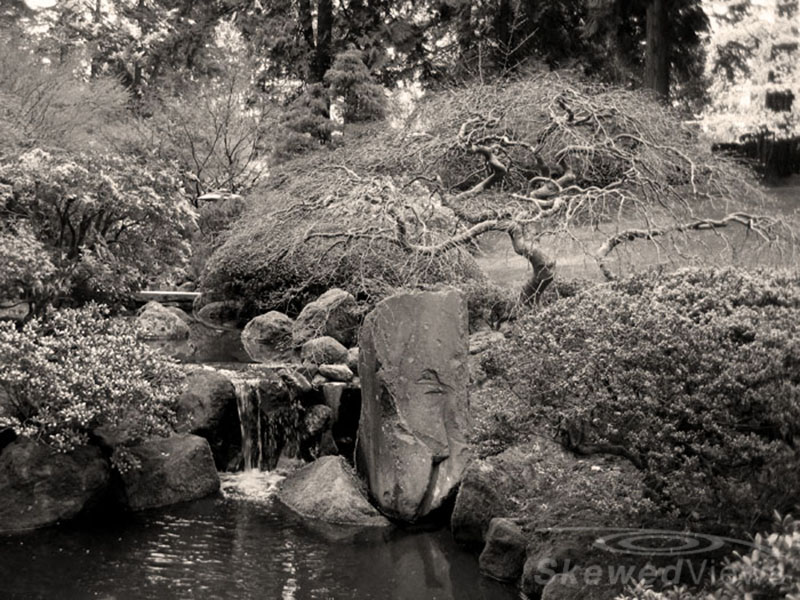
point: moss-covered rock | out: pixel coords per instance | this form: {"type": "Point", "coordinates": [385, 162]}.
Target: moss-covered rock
{"type": "Point", "coordinates": [171, 470]}
{"type": "Point", "coordinates": [40, 486]}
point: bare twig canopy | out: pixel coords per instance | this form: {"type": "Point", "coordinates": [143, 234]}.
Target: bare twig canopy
{"type": "Point", "coordinates": [545, 158]}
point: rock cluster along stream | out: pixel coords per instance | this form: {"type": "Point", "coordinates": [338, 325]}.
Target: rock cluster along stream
{"type": "Point", "coordinates": [383, 426]}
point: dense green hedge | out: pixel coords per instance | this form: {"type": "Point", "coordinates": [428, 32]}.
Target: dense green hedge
{"type": "Point", "coordinates": [694, 376]}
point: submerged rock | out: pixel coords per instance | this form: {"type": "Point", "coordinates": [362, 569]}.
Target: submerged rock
{"type": "Point", "coordinates": [581, 584]}
{"type": "Point", "coordinates": [39, 486]}
{"type": "Point", "coordinates": [157, 322]}
{"type": "Point", "coordinates": [328, 490]}
{"type": "Point", "coordinates": [221, 312]}
{"type": "Point", "coordinates": [335, 314]}
{"type": "Point", "coordinates": [174, 469]}
{"type": "Point", "coordinates": [268, 338]}
{"type": "Point", "coordinates": [412, 446]}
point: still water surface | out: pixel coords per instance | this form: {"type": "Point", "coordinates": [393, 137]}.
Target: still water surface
{"type": "Point", "coordinates": [241, 545]}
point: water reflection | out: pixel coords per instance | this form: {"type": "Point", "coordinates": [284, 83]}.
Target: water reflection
{"type": "Point", "coordinates": [205, 345]}
{"type": "Point", "coordinates": [236, 546]}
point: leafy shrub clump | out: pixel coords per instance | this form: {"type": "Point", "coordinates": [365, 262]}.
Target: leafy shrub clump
{"type": "Point", "coordinates": [107, 223]}
{"type": "Point", "coordinates": [64, 377]}
{"type": "Point", "coordinates": [694, 376]}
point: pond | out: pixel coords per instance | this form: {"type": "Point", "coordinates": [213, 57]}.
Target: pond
{"type": "Point", "coordinates": [239, 545]}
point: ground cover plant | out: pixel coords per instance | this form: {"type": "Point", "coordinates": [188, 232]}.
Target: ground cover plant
{"type": "Point", "coordinates": [770, 570]}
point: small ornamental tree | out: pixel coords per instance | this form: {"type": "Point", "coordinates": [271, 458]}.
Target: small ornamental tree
{"type": "Point", "coordinates": [218, 129]}
{"type": "Point", "coordinates": [350, 79]}
{"type": "Point", "coordinates": [45, 105]}
{"type": "Point", "coordinates": [106, 224]}
{"type": "Point", "coordinates": [79, 373]}
{"type": "Point", "coordinates": [307, 123]}
{"type": "Point", "coordinates": [564, 167]}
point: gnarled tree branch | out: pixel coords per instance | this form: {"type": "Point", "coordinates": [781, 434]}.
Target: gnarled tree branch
{"type": "Point", "coordinates": [757, 223]}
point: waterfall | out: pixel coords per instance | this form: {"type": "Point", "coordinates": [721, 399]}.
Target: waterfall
{"type": "Point", "coordinates": [270, 420]}
{"type": "Point", "coordinates": [248, 400]}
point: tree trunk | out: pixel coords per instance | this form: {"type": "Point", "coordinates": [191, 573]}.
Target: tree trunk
{"type": "Point", "coordinates": [656, 68]}
{"type": "Point", "coordinates": [502, 26]}
{"type": "Point", "coordinates": [306, 23]}
{"type": "Point", "coordinates": [95, 46]}
{"type": "Point", "coordinates": [544, 268]}
{"type": "Point", "coordinates": [322, 54]}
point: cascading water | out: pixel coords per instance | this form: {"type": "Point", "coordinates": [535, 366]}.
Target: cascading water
{"type": "Point", "coordinates": [248, 400]}
{"type": "Point", "coordinates": [270, 418]}
{"type": "Point", "coordinates": [254, 483]}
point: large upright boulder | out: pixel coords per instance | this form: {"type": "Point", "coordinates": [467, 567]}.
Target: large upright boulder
{"type": "Point", "coordinates": [412, 446]}
{"type": "Point", "coordinates": [172, 470]}
{"type": "Point", "coordinates": [335, 314]}
{"type": "Point", "coordinates": [268, 338]}
{"type": "Point", "coordinates": [158, 322]}
{"type": "Point", "coordinates": [39, 486]}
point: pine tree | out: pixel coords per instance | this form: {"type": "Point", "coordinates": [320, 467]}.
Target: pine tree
{"type": "Point", "coordinates": [653, 42]}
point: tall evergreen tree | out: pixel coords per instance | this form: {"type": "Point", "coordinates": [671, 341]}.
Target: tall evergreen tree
{"type": "Point", "coordinates": [656, 43]}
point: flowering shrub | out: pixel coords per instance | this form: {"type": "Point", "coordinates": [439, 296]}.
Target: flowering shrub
{"type": "Point", "coordinates": [771, 570]}
{"type": "Point", "coordinates": [694, 376]}
{"type": "Point", "coordinates": [64, 377]}
{"type": "Point", "coordinates": [26, 270]}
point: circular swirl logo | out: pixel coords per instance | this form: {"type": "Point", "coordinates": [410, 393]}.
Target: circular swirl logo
{"type": "Point", "coordinates": [659, 543]}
